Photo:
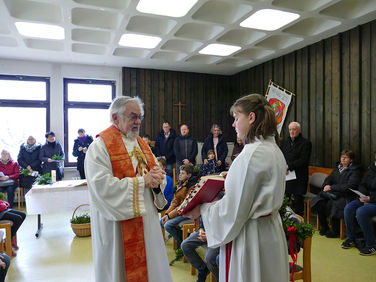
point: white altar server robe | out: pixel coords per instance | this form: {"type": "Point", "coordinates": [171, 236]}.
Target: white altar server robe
{"type": "Point", "coordinates": [254, 188]}
{"type": "Point", "coordinates": [111, 200]}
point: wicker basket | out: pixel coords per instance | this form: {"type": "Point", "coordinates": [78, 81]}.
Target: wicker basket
{"type": "Point", "coordinates": [81, 230]}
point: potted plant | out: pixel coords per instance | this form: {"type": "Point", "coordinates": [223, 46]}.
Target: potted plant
{"type": "Point", "coordinates": [43, 179]}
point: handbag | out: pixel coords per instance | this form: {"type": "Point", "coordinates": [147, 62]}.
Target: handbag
{"type": "Point", "coordinates": [328, 195]}
{"type": "Point", "coordinates": [3, 205]}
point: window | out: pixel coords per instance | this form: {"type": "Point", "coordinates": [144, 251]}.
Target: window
{"type": "Point", "coordinates": [24, 110]}
{"type": "Point", "coordinates": [86, 104]}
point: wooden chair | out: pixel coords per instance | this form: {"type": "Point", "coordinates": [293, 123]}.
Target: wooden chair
{"type": "Point", "coordinates": [342, 229]}
{"type": "Point", "coordinates": [187, 229]}
{"type": "Point", "coordinates": [305, 273]}
{"type": "Point", "coordinates": [19, 193]}
{"type": "Point", "coordinates": [7, 224]}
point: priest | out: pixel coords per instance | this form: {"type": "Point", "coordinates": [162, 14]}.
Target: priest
{"type": "Point", "coordinates": [126, 189]}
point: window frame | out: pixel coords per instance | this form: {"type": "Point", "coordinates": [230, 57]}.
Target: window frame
{"type": "Point", "coordinates": [29, 103]}
{"type": "Point", "coordinates": [81, 105]}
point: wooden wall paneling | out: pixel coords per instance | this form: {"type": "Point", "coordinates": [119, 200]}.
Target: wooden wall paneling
{"type": "Point", "coordinates": [299, 88]}
{"type": "Point", "coordinates": [345, 93]}
{"type": "Point", "coordinates": [148, 100]}
{"type": "Point", "coordinates": [306, 108]}
{"type": "Point", "coordinates": [373, 91]}
{"type": "Point", "coordinates": [312, 101]}
{"type": "Point", "coordinates": [175, 100]}
{"type": "Point", "coordinates": [133, 82]}
{"type": "Point", "coordinates": [126, 81]}
{"type": "Point", "coordinates": [164, 102]}
{"type": "Point", "coordinates": [278, 70]}
{"type": "Point", "coordinates": [328, 139]}
{"type": "Point", "coordinates": [320, 137]}
{"type": "Point", "coordinates": [365, 95]}
{"type": "Point", "coordinates": [355, 110]}
{"type": "Point", "coordinates": [335, 101]}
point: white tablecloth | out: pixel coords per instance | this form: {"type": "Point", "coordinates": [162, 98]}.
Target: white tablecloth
{"type": "Point", "coordinates": [64, 195]}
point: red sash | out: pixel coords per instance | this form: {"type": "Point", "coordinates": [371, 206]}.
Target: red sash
{"type": "Point", "coordinates": [132, 229]}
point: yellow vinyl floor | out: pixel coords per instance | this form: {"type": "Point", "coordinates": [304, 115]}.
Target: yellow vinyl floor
{"type": "Point", "coordinates": [60, 256]}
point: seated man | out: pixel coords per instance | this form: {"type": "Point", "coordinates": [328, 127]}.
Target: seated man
{"type": "Point", "coordinates": [361, 211]}
{"type": "Point", "coordinates": [9, 174]}
{"type": "Point", "coordinates": [189, 247]}
{"type": "Point", "coordinates": [169, 189]}
{"type": "Point", "coordinates": [171, 219]}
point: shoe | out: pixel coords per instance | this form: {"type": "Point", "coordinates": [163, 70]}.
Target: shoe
{"type": "Point", "coordinates": [14, 243]}
{"type": "Point", "coordinates": [366, 251]}
{"type": "Point", "coordinates": [202, 274]}
{"type": "Point", "coordinates": [323, 231]}
{"type": "Point", "coordinates": [348, 244]}
{"type": "Point", "coordinates": [332, 234]}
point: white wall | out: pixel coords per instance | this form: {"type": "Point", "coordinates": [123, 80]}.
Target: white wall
{"type": "Point", "coordinates": [57, 72]}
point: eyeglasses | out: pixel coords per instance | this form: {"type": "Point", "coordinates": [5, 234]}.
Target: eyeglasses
{"type": "Point", "coordinates": [134, 117]}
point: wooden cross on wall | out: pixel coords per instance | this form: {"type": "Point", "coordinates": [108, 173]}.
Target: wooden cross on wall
{"type": "Point", "coordinates": [179, 105]}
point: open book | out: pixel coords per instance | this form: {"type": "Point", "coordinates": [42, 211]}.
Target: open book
{"type": "Point", "coordinates": [204, 192]}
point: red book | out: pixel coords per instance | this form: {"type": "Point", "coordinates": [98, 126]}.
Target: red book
{"type": "Point", "coordinates": [204, 192]}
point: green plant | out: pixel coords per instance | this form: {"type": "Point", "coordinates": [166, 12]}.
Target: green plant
{"type": "Point", "coordinates": [3, 197]}
{"type": "Point", "coordinates": [303, 230]}
{"type": "Point", "coordinates": [25, 172]}
{"type": "Point", "coordinates": [43, 179]}
{"type": "Point", "coordinates": [197, 169]}
{"type": "Point", "coordinates": [57, 158]}
{"type": "Point", "coordinates": [81, 219]}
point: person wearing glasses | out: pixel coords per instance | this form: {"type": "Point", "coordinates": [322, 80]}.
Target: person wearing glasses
{"type": "Point", "coordinates": [126, 188]}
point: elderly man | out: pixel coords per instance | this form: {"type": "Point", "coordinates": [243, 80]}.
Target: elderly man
{"type": "Point", "coordinates": [164, 145]}
{"type": "Point", "coordinates": [185, 148]}
{"type": "Point", "coordinates": [126, 188]}
{"type": "Point", "coordinates": [297, 151]}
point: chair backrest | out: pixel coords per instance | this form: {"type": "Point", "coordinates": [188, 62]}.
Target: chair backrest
{"type": "Point", "coordinates": [316, 180]}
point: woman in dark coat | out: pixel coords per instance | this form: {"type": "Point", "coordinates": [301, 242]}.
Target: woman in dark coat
{"type": "Point", "coordinates": [335, 194]}
{"type": "Point", "coordinates": [216, 142]}
{"type": "Point", "coordinates": [81, 144]}
{"type": "Point", "coordinates": [28, 157]}
{"type": "Point", "coordinates": [48, 150]}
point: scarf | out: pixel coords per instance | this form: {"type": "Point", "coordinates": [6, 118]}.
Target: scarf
{"type": "Point", "coordinates": [342, 168]}
{"type": "Point", "coordinates": [5, 162]}
{"type": "Point", "coordinates": [82, 139]}
{"type": "Point", "coordinates": [30, 148]}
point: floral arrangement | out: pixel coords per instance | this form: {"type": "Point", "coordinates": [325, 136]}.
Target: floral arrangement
{"type": "Point", "coordinates": [303, 230]}
{"type": "Point", "coordinates": [43, 179]}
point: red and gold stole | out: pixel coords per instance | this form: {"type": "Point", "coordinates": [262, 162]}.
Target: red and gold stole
{"type": "Point", "coordinates": [132, 229]}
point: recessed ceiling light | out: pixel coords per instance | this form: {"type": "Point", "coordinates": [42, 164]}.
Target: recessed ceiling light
{"type": "Point", "coordinates": [40, 30]}
{"type": "Point", "coordinates": [269, 19]}
{"type": "Point", "coordinates": [139, 41]}
{"type": "Point", "coordinates": [170, 8]}
{"type": "Point", "coordinates": [219, 49]}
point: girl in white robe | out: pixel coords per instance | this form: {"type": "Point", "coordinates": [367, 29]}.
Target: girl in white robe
{"type": "Point", "coordinates": [247, 216]}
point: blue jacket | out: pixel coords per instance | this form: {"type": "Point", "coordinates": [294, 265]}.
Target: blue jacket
{"type": "Point", "coordinates": [185, 147]}
{"type": "Point", "coordinates": [168, 191]}
{"type": "Point", "coordinates": [165, 147]}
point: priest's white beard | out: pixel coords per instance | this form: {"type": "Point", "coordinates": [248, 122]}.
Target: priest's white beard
{"type": "Point", "coordinates": [132, 135]}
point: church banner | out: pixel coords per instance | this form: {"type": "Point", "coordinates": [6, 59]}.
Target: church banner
{"type": "Point", "coordinates": [279, 98]}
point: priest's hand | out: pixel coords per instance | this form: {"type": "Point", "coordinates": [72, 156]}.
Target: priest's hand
{"type": "Point", "coordinates": [194, 213]}
{"type": "Point", "coordinates": [154, 177]}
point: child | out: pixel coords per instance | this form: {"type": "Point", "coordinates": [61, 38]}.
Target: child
{"type": "Point", "coordinates": [171, 219]}
{"type": "Point", "coordinates": [169, 189]}
{"type": "Point", "coordinates": [211, 167]}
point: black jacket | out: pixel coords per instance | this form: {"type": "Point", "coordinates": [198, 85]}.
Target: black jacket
{"type": "Point", "coordinates": [77, 143]}
{"type": "Point", "coordinates": [165, 147]}
{"type": "Point", "coordinates": [297, 155]}
{"type": "Point", "coordinates": [25, 158]}
{"type": "Point", "coordinates": [222, 149]}
{"type": "Point", "coordinates": [185, 147]}
{"type": "Point", "coordinates": [368, 184]}
{"type": "Point", "coordinates": [340, 182]}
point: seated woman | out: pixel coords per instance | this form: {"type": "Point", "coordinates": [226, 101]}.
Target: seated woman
{"type": "Point", "coordinates": [358, 212]}
{"type": "Point", "coordinates": [9, 174]}
{"type": "Point", "coordinates": [335, 194]}
{"type": "Point", "coordinates": [17, 217]}
{"type": "Point", "coordinates": [48, 150]}
{"type": "Point", "coordinates": [28, 157]}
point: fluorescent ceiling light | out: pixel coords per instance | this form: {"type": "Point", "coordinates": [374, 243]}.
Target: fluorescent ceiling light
{"type": "Point", "coordinates": [219, 49]}
{"type": "Point", "coordinates": [269, 19]}
{"type": "Point", "coordinates": [170, 8]}
{"type": "Point", "coordinates": [40, 30]}
{"type": "Point", "coordinates": [139, 41]}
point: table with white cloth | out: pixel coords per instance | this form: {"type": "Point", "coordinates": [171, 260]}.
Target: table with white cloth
{"type": "Point", "coordinates": [65, 195]}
